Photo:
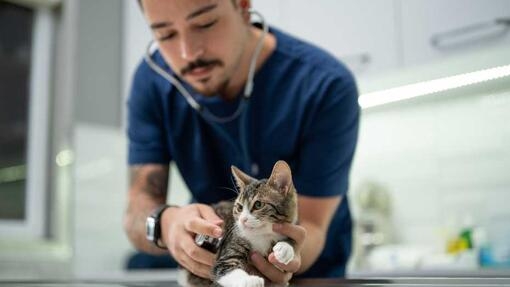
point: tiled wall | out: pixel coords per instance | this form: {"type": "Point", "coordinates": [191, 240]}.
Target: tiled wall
{"type": "Point", "coordinates": [100, 245]}
{"type": "Point", "coordinates": [443, 159]}
{"type": "Point", "coordinates": [101, 188]}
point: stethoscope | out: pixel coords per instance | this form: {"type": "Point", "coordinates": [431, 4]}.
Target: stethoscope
{"type": "Point", "coordinates": [213, 119]}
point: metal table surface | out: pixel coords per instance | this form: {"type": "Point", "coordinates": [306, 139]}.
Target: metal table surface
{"type": "Point", "coordinates": [418, 282]}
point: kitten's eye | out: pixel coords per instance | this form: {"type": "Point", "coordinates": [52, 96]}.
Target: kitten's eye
{"type": "Point", "coordinates": [239, 207]}
{"type": "Point", "coordinates": [257, 205]}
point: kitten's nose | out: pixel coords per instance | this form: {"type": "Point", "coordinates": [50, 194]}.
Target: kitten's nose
{"type": "Point", "coordinates": [244, 220]}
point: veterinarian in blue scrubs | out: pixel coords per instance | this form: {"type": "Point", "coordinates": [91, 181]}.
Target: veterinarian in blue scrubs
{"type": "Point", "coordinates": [302, 108]}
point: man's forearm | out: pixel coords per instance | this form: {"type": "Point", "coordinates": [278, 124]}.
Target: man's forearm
{"type": "Point", "coordinates": [147, 191]}
{"type": "Point", "coordinates": [134, 226]}
{"type": "Point", "coordinates": [316, 225]}
{"type": "Point", "coordinates": [312, 247]}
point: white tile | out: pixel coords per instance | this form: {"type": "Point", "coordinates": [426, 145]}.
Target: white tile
{"type": "Point", "coordinates": [100, 244]}
{"type": "Point", "coordinates": [498, 203]}
{"type": "Point", "coordinates": [443, 161]}
{"type": "Point", "coordinates": [420, 233]}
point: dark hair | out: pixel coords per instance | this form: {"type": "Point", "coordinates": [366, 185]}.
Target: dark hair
{"type": "Point", "coordinates": [141, 6]}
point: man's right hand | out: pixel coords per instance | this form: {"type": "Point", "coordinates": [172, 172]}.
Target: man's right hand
{"type": "Point", "coordinates": [179, 227]}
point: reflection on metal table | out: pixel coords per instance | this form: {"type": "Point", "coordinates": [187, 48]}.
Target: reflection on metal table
{"type": "Point", "coordinates": [420, 282]}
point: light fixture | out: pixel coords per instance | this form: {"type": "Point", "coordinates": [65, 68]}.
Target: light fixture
{"type": "Point", "coordinates": [401, 93]}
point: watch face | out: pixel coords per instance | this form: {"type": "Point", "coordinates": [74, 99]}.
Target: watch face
{"type": "Point", "coordinates": [150, 229]}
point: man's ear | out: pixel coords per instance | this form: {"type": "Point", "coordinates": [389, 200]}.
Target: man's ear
{"type": "Point", "coordinates": [241, 178]}
{"type": "Point", "coordinates": [244, 6]}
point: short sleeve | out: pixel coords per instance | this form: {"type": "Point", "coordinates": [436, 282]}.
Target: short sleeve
{"type": "Point", "coordinates": [146, 132]}
{"type": "Point", "coordinates": [329, 140]}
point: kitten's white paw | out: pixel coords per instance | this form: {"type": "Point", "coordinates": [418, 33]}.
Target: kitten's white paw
{"type": "Point", "coordinates": [283, 252]}
{"type": "Point", "coordinates": [239, 278]}
{"type": "Point", "coordinates": [182, 277]}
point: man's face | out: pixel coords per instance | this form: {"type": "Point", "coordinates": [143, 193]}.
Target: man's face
{"type": "Point", "coordinates": [201, 40]}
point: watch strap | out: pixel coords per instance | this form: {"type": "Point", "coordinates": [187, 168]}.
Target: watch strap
{"type": "Point", "coordinates": [156, 216]}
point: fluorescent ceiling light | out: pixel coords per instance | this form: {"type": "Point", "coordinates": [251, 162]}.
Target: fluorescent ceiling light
{"type": "Point", "coordinates": [429, 87]}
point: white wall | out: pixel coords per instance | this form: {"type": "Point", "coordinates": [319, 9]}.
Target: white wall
{"type": "Point", "coordinates": [444, 160]}
{"type": "Point", "coordinates": [100, 244]}
{"type": "Point", "coordinates": [136, 37]}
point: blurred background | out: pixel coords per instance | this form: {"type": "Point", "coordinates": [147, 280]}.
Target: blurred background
{"type": "Point", "coordinates": [430, 184]}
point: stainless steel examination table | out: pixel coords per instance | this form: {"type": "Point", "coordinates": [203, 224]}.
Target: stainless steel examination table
{"type": "Point", "coordinates": [415, 282]}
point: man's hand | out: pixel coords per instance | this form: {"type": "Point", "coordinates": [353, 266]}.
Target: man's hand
{"type": "Point", "coordinates": [179, 227]}
{"type": "Point", "coordinates": [275, 271]}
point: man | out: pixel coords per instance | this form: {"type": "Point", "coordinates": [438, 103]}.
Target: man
{"type": "Point", "coordinates": [303, 109]}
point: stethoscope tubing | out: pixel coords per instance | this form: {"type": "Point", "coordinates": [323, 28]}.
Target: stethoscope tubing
{"type": "Point", "coordinates": [213, 119]}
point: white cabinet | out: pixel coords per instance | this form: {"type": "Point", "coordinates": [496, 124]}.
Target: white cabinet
{"type": "Point", "coordinates": [457, 26]}
{"type": "Point", "coordinates": [375, 36]}
{"type": "Point", "coordinates": [271, 10]}
{"type": "Point", "coordinates": [362, 33]}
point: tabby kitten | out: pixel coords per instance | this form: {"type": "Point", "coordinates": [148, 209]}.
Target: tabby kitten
{"type": "Point", "coordinates": [248, 227]}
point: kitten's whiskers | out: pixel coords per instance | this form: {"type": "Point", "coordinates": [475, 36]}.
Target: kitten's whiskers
{"type": "Point", "coordinates": [229, 188]}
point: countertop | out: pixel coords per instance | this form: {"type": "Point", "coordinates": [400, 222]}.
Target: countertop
{"type": "Point", "coordinates": [168, 279]}
{"type": "Point", "coordinates": [415, 282]}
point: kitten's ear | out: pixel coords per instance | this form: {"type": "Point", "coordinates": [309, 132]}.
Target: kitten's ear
{"type": "Point", "coordinates": [242, 179]}
{"type": "Point", "coordinates": [281, 177]}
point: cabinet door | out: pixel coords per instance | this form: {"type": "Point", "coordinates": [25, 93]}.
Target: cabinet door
{"type": "Point", "coordinates": [434, 29]}
{"type": "Point", "coordinates": [361, 32]}
{"type": "Point", "coordinates": [270, 9]}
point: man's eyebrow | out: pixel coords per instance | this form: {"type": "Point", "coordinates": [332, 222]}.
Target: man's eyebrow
{"type": "Point", "coordinates": [159, 25]}
{"type": "Point", "coordinates": [201, 11]}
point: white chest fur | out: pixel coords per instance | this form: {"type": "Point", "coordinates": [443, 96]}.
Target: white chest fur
{"type": "Point", "coordinates": [260, 234]}
{"type": "Point", "coordinates": [262, 242]}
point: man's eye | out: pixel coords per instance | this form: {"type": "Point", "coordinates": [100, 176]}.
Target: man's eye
{"type": "Point", "coordinates": [208, 25]}
{"type": "Point", "coordinates": [166, 37]}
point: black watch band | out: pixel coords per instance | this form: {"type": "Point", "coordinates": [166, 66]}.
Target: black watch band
{"type": "Point", "coordinates": [153, 226]}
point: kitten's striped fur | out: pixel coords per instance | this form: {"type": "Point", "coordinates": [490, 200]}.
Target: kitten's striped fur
{"type": "Point", "coordinates": [260, 203]}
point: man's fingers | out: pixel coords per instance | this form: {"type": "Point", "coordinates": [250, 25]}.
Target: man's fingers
{"type": "Point", "coordinates": [208, 214]}
{"type": "Point", "coordinates": [195, 259]}
{"type": "Point", "coordinates": [194, 267]}
{"type": "Point", "coordinates": [296, 232]}
{"type": "Point", "coordinates": [198, 254]}
{"type": "Point", "coordinates": [292, 267]}
{"type": "Point", "coordinates": [269, 270]}
{"type": "Point", "coordinates": [201, 226]}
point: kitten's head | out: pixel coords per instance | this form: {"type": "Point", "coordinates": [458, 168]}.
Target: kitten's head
{"type": "Point", "coordinates": [261, 203]}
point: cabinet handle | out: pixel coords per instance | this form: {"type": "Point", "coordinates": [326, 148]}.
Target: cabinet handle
{"type": "Point", "coordinates": [478, 32]}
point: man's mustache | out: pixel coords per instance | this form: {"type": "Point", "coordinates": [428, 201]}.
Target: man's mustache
{"type": "Point", "coordinates": [200, 63]}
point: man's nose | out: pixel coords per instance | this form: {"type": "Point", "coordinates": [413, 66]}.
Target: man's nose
{"type": "Point", "coordinates": [191, 48]}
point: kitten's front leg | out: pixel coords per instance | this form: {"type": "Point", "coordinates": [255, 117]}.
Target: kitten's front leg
{"type": "Point", "coordinates": [239, 278]}
{"type": "Point", "coordinates": [232, 263]}
{"type": "Point", "coordinates": [283, 252]}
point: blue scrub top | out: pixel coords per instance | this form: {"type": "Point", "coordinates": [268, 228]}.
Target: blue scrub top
{"type": "Point", "coordinates": [303, 109]}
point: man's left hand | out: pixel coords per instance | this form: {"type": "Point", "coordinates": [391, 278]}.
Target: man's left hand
{"type": "Point", "coordinates": [275, 271]}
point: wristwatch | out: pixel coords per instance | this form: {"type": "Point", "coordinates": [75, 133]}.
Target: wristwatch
{"type": "Point", "coordinates": [153, 226]}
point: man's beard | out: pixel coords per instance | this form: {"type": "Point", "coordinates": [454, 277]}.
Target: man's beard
{"type": "Point", "coordinates": [200, 63]}
{"type": "Point", "coordinates": [205, 86]}
{"type": "Point", "coordinates": [209, 90]}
